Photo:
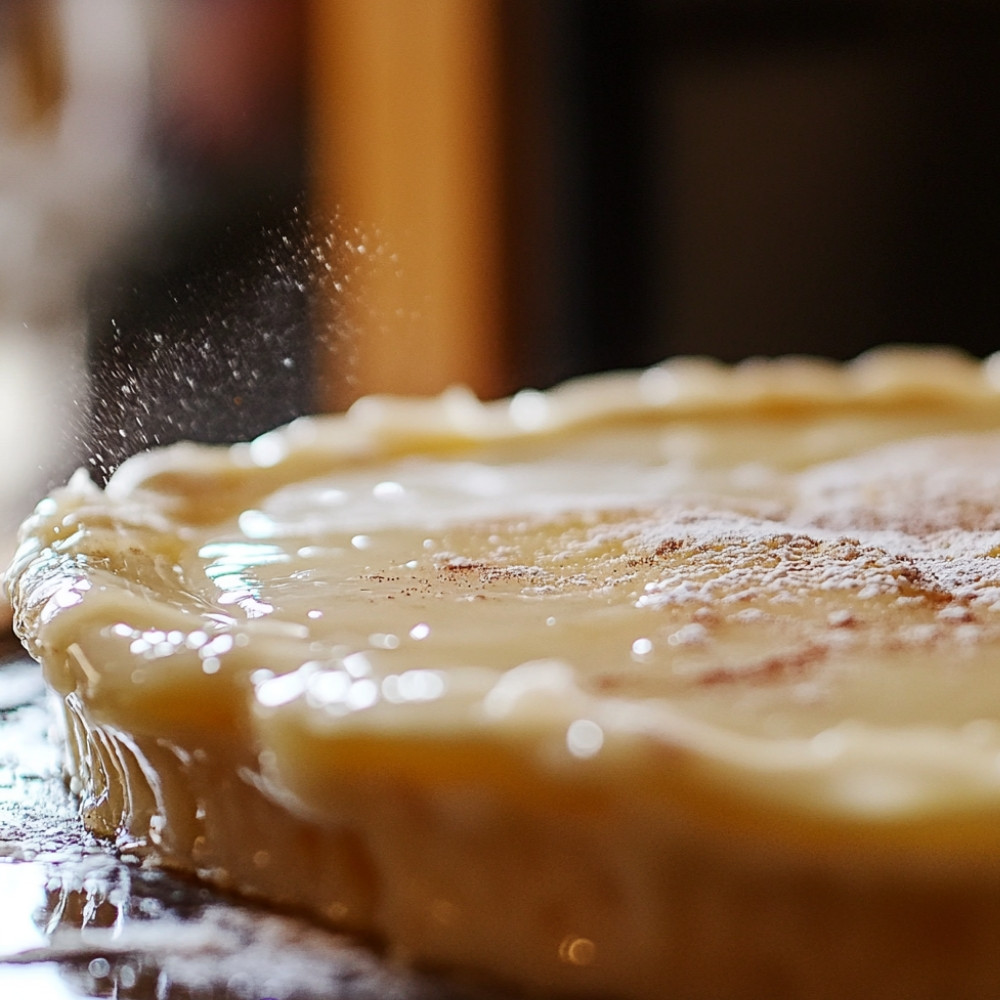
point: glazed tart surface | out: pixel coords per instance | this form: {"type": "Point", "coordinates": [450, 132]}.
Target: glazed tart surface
{"type": "Point", "coordinates": [680, 677]}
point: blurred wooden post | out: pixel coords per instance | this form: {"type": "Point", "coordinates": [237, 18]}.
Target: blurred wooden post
{"type": "Point", "coordinates": [407, 123]}
{"type": "Point", "coordinates": [32, 43]}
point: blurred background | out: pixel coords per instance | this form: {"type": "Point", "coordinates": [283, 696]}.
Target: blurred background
{"type": "Point", "coordinates": [218, 214]}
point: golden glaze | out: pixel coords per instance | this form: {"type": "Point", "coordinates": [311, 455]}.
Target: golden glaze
{"type": "Point", "coordinates": [607, 635]}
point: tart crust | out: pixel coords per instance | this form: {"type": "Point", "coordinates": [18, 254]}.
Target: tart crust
{"type": "Point", "coordinates": [677, 683]}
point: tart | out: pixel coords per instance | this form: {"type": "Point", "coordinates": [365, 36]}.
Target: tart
{"type": "Point", "coordinates": [672, 684]}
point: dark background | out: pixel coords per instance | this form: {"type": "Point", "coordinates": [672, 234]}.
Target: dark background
{"type": "Point", "coordinates": [721, 178]}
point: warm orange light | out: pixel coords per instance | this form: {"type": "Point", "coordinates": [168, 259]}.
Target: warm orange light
{"type": "Point", "coordinates": [406, 151]}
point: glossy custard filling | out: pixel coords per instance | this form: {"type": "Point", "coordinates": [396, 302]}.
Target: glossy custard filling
{"type": "Point", "coordinates": [764, 600]}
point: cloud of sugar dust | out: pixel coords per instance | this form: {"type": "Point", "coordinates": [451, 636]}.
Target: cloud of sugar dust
{"type": "Point", "coordinates": [219, 332]}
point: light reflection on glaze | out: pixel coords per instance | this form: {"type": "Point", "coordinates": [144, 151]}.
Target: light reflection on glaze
{"type": "Point", "coordinates": [232, 566]}
{"type": "Point", "coordinates": [584, 738]}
